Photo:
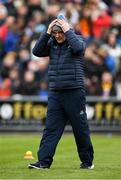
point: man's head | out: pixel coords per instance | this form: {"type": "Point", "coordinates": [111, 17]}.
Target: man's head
{"type": "Point", "coordinates": [58, 33]}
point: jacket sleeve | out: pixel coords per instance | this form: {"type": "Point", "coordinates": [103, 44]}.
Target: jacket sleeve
{"type": "Point", "coordinates": [77, 43]}
{"type": "Point", "coordinates": [41, 48]}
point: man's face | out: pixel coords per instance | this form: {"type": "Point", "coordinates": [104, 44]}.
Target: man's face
{"type": "Point", "coordinates": [59, 36]}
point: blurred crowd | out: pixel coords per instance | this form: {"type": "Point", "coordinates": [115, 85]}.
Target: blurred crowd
{"type": "Point", "coordinates": [23, 21]}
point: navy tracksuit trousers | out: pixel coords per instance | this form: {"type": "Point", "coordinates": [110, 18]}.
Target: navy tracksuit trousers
{"type": "Point", "coordinates": [65, 105]}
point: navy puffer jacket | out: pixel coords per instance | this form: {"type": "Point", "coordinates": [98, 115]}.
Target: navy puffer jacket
{"type": "Point", "coordinates": [66, 60]}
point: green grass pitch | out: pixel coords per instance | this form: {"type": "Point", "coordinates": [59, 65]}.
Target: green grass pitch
{"type": "Point", "coordinates": [66, 162]}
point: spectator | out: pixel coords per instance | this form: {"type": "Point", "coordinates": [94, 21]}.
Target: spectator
{"type": "Point", "coordinates": [12, 38]}
{"type": "Point", "coordinates": [5, 90]}
{"type": "Point", "coordinates": [23, 60]}
{"type": "Point", "coordinates": [92, 86]}
{"type": "Point", "coordinates": [70, 12]}
{"type": "Point", "coordinates": [28, 86]}
{"type": "Point", "coordinates": [85, 22]}
{"type": "Point", "coordinates": [101, 20]}
{"type": "Point", "coordinates": [9, 22]}
{"type": "Point", "coordinates": [3, 14]}
{"type": "Point", "coordinates": [9, 62]}
{"type": "Point", "coordinates": [95, 65]}
{"type": "Point", "coordinates": [15, 81]}
{"type": "Point", "coordinates": [51, 12]}
{"type": "Point", "coordinates": [107, 89]}
{"type": "Point", "coordinates": [43, 90]}
{"type": "Point", "coordinates": [108, 59]}
{"type": "Point", "coordinates": [113, 48]}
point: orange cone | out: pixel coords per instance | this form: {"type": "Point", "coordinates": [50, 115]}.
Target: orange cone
{"type": "Point", "coordinates": [28, 155]}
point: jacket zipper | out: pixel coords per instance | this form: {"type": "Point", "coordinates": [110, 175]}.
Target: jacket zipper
{"type": "Point", "coordinates": [58, 59]}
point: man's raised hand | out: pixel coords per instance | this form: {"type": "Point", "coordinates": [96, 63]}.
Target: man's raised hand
{"type": "Point", "coordinates": [64, 24]}
{"type": "Point", "coordinates": [50, 26]}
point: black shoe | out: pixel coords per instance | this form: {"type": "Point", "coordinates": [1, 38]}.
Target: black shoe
{"type": "Point", "coordinates": [37, 165]}
{"type": "Point", "coordinates": [86, 166]}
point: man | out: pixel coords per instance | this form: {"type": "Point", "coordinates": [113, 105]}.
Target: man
{"type": "Point", "coordinates": [67, 93]}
